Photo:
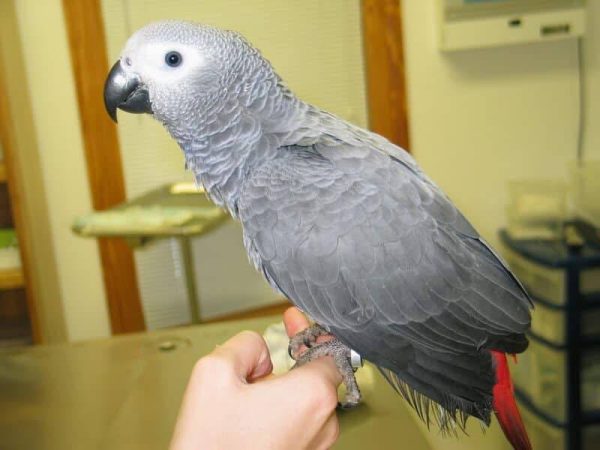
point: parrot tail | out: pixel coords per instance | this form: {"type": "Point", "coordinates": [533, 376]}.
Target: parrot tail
{"type": "Point", "coordinates": [505, 406]}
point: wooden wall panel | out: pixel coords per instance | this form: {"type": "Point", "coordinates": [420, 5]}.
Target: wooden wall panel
{"type": "Point", "coordinates": [23, 171]}
{"type": "Point", "coordinates": [16, 219]}
{"type": "Point", "coordinates": [105, 172]}
{"type": "Point", "coordinates": [384, 58]}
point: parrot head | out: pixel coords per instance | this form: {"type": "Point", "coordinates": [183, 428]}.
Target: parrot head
{"type": "Point", "coordinates": [175, 69]}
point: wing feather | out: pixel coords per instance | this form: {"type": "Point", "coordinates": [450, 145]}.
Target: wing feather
{"type": "Point", "coordinates": [363, 242]}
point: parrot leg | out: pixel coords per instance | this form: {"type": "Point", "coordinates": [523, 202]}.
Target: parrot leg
{"type": "Point", "coordinates": [307, 337]}
{"type": "Point", "coordinates": [341, 356]}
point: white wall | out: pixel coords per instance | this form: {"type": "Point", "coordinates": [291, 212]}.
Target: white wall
{"type": "Point", "coordinates": [591, 63]}
{"type": "Point", "coordinates": [480, 118]}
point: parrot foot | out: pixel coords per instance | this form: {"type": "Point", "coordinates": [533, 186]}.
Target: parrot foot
{"type": "Point", "coordinates": [307, 338]}
{"type": "Point", "coordinates": [341, 356]}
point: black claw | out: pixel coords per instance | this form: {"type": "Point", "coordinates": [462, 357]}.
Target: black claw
{"type": "Point", "coordinates": [347, 405]}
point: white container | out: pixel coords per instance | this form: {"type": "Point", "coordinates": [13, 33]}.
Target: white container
{"type": "Point", "coordinates": [548, 283]}
{"type": "Point", "coordinates": [550, 324]}
{"type": "Point", "coordinates": [540, 373]}
{"type": "Point", "coordinates": [590, 438]}
{"type": "Point", "coordinates": [537, 209]}
{"type": "Point", "coordinates": [544, 436]}
{"type": "Point", "coordinates": [585, 188]}
{"type": "Point", "coordinates": [590, 382]}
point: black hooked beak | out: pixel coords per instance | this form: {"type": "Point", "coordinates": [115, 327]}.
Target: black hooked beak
{"type": "Point", "coordinates": [124, 91]}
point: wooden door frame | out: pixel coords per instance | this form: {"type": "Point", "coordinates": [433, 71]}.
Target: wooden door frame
{"type": "Point", "coordinates": [383, 43]}
{"type": "Point", "coordinates": [388, 116]}
{"type": "Point", "coordinates": [85, 29]}
{"type": "Point", "coordinates": [25, 182]}
{"type": "Point", "coordinates": [17, 200]}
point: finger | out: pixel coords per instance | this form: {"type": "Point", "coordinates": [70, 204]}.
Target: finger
{"type": "Point", "coordinates": [294, 321]}
{"type": "Point", "coordinates": [247, 354]}
{"type": "Point", "coordinates": [317, 379]}
{"type": "Point", "coordinates": [323, 367]}
{"type": "Point", "coordinates": [328, 434]}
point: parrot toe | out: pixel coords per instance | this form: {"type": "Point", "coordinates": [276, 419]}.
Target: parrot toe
{"type": "Point", "coordinates": [305, 338]}
{"type": "Point", "coordinates": [341, 356]}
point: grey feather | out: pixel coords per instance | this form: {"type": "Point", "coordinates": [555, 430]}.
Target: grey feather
{"type": "Point", "coordinates": [387, 264]}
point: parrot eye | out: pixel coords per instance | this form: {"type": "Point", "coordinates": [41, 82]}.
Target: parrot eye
{"type": "Point", "coordinates": [173, 59]}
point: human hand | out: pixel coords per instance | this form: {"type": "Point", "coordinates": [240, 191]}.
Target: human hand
{"type": "Point", "coordinates": [232, 401]}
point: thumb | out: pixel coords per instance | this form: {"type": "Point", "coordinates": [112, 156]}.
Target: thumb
{"type": "Point", "coordinates": [294, 321]}
{"type": "Point", "coordinates": [247, 355]}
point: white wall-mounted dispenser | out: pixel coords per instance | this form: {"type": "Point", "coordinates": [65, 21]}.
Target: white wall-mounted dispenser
{"type": "Point", "coordinates": [465, 24]}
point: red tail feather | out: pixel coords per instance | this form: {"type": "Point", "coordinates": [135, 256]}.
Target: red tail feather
{"type": "Point", "coordinates": [505, 406]}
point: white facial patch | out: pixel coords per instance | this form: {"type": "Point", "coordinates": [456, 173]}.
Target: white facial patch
{"type": "Point", "coordinates": [149, 62]}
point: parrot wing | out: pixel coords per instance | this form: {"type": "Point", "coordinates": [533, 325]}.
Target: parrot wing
{"type": "Point", "coordinates": [359, 239]}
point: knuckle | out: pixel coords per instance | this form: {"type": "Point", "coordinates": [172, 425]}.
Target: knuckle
{"type": "Point", "coordinates": [211, 364]}
{"type": "Point", "coordinates": [251, 334]}
{"type": "Point", "coordinates": [257, 340]}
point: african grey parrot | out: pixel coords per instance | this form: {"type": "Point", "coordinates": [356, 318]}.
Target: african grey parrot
{"type": "Point", "coordinates": [339, 220]}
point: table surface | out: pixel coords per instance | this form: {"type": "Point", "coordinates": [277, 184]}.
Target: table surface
{"type": "Point", "coordinates": [124, 393]}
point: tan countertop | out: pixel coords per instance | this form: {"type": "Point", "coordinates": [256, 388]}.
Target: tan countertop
{"type": "Point", "coordinates": [125, 392]}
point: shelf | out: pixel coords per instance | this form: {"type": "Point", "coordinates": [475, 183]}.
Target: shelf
{"type": "Point", "coordinates": [15, 334]}
{"type": "Point", "coordinates": [11, 279]}
{"type": "Point", "coordinates": [553, 345]}
{"type": "Point", "coordinates": [554, 254]}
{"type": "Point", "coordinates": [2, 172]}
{"type": "Point", "coordinates": [591, 417]}
{"type": "Point", "coordinates": [525, 401]}
{"type": "Point", "coordinates": [589, 341]}
{"type": "Point", "coordinates": [590, 301]}
{"type": "Point", "coordinates": [548, 304]}
{"type": "Point", "coordinates": [584, 342]}
{"type": "Point", "coordinates": [587, 417]}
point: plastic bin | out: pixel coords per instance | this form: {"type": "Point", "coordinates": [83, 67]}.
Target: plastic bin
{"type": "Point", "coordinates": [585, 188]}
{"type": "Point", "coordinates": [548, 283]}
{"type": "Point", "coordinates": [544, 436]}
{"type": "Point", "coordinates": [540, 374]}
{"type": "Point", "coordinates": [550, 324]}
{"type": "Point", "coordinates": [591, 437]}
{"type": "Point", "coordinates": [537, 209]}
